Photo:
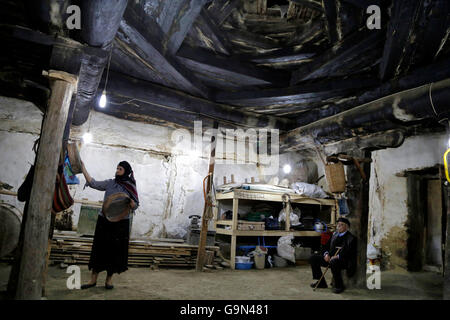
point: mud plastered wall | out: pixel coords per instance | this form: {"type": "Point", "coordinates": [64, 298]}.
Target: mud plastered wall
{"type": "Point", "coordinates": [388, 200]}
{"type": "Point", "coordinates": [20, 126]}
{"type": "Point", "coordinates": [169, 178]}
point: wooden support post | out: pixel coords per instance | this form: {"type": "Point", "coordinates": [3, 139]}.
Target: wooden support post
{"type": "Point", "coordinates": [14, 274]}
{"type": "Point", "coordinates": [287, 212]}
{"type": "Point", "coordinates": [47, 259]}
{"type": "Point", "coordinates": [446, 286]}
{"type": "Point", "coordinates": [358, 196]}
{"type": "Point", "coordinates": [233, 252]}
{"type": "Point", "coordinates": [233, 236]}
{"type": "Point", "coordinates": [35, 242]}
{"type": "Point", "coordinates": [207, 211]}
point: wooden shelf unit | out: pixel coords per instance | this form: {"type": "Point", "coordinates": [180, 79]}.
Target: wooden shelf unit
{"type": "Point", "coordinates": [232, 224]}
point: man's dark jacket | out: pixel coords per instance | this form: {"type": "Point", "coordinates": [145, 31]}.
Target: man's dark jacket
{"type": "Point", "coordinates": [347, 253]}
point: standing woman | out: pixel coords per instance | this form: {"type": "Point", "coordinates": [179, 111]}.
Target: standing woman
{"type": "Point", "coordinates": [110, 248]}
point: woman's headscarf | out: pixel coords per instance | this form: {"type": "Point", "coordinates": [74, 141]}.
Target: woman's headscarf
{"type": "Point", "coordinates": [127, 180]}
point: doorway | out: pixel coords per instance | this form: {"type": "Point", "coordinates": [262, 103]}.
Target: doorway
{"type": "Point", "coordinates": [426, 223]}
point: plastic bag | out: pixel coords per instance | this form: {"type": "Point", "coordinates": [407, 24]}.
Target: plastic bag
{"type": "Point", "coordinates": [372, 252]}
{"type": "Point", "coordinates": [343, 207]}
{"type": "Point", "coordinates": [71, 178]}
{"type": "Point", "coordinates": [285, 248]}
{"type": "Point", "coordinates": [259, 251]}
{"type": "Point", "coordinates": [177, 228]}
{"type": "Point", "coordinates": [309, 190]}
{"type": "Point", "coordinates": [294, 217]}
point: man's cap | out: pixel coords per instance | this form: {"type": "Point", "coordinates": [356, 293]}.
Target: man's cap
{"type": "Point", "coordinates": [344, 220]}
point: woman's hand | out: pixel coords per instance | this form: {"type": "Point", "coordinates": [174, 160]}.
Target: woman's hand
{"type": "Point", "coordinates": [85, 173]}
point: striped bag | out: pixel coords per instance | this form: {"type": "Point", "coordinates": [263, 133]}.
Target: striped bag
{"type": "Point", "coordinates": [62, 199]}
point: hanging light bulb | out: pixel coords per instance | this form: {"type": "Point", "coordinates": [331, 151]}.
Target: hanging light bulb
{"type": "Point", "coordinates": [102, 102]}
{"type": "Point", "coordinates": [287, 168]}
{"type": "Point", "coordinates": [87, 137]}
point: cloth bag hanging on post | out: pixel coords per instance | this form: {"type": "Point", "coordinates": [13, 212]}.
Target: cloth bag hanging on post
{"type": "Point", "coordinates": [62, 199]}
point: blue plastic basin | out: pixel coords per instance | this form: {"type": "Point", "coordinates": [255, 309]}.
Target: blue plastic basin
{"type": "Point", "coordinates": [244, 265]}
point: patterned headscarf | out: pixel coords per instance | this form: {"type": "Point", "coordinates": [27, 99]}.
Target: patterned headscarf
{"type": "Point", "coordinates": [127, 180]}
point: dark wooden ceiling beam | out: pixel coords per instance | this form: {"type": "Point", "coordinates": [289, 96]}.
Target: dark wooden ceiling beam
{"type": "Point", "coordinates": [307, 32]}
{"type": "Point", "coordinates": [207, 33]}
{"type": "Point", "coordinates": [176, 19]}
{"type": "Point", "coordinates": [130, 90]}
{"type": "Point", "coordinates": [229, 68]}
{"type": "Point", "coordinates": [437, 31]}
{"type": "Point", "coordinates": [435, 72]}
{"type": "Point", "coordinates": [148, 113]}
{"type": "Point", "coordinates": [427, 35]}
{"type": "Point", "coordinates": [220, 10]}
{"type": "Point", "coordinates": [100, 21]}
{"type": "Point", "coordinates": [302, 94]}
{"type": "Point", "coordinates": [250, 42]}
{"type": "Point", "coordinates": [125, 60]}
{"type": "Point", "coordinates": [343, 53]}
{"type": "Point", "coordinates": [281, 58]}
{"type": "Point", "coordinates": [70, 56]}
{"type": "Point", "coordinates": [315, 5]}
{"type": "Point", "coordinates": [330, 10]}
{"type": "Point", "coordinates": [400, 28]}
{"type": "Point", "coordinates": [266, 26]}
{"type": "Point", "coordinates": [393, 111]}
{"type": "Point", "coordinates": [143, 36]}
{"type": "Point", "coordinates": [349, 18]}
{"type": "Point", "coordinates": [363, 4]}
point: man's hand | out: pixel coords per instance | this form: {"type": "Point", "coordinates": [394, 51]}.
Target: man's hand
{"type": "Point", "coordinates": [132, 204]}
{"type": "Point", "coordinates": [335, 257]}
{"type": "Point", "coordinates": [327, 258]}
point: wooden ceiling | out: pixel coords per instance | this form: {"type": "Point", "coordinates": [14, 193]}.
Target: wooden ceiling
{"type": "Point", "coordinates": [254, 63]}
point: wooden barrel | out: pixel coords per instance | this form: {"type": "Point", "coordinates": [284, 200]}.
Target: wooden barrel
{"type": "Point", "coordinates": [74, 157]}
{"type": "Point", "coordinates": [10, 221]}
{"type": "Point", "coordinates": [116, 206]}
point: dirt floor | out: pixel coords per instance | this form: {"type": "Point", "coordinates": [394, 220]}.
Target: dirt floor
{"type": "Point", "coordinates": [290, 283]}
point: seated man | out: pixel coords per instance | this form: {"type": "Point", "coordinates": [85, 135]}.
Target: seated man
{"type": "Point", "coordinates": [344, 259]}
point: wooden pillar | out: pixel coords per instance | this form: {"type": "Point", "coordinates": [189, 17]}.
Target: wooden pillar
{"type": "Point", "coordinates": [358, 202]}
{"type": "Point", "coordinates": [14, 274]}
{"type": "Point", "coordinates": [446, 286]}
{"type": "Point", "coordinates": [207, 210]}
{"type": "Point", "coordinates": [35, 242]}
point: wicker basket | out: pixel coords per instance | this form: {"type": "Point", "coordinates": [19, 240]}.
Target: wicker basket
{"type": "Point", "coordinates": [334, 172]}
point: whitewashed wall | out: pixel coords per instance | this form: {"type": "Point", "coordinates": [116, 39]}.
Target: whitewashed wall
{"type": "Point", "coordinates": [388, 192]}
{"type": "Point", "coordinates": [20, 126]}
{"type": "Point", "coordinates": [169, 179]}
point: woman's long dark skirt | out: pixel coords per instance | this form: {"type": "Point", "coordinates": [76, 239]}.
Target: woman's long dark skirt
{"type": "Point", "coordinates": [110, 247]}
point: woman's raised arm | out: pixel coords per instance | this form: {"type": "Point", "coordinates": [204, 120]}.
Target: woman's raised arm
{"type": "Point", "coordinates": [85, 173]}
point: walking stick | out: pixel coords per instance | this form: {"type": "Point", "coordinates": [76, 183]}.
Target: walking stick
{"type": "Point", "coordinates": [323, 275]}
